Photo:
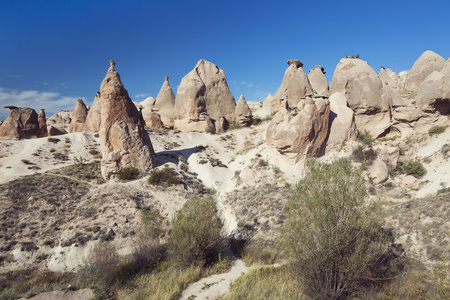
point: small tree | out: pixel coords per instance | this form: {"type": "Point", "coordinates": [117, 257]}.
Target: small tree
{"type": "Point", "coordinates": [332, 235]}
{"type": "Point", "coordinates": [195, 235]}
{"type": "Point", "coordinates": [104, 262]}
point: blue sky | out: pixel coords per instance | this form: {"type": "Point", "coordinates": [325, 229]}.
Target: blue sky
{"type": "Point", "coordinates": [53, 52]}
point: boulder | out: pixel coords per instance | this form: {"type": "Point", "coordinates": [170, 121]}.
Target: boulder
{"type": "Point", "coordinates": [295, 84]}
{"type": "Point", "coordinates": [249, 176]}
{"type": "Point", "coordinates": [243, 113]}
{"type": "Point", "coordinates": [204, 90]}
{"type": "Point", "coordinates": [93, 118]}
{"type": "Point", "coordinates": [42, 120]}
{"type": "Point", "coordinates": [378, 171]}
{"type": "Point", "coordinates": [78, 116]}
{"type": "Point", "coordinates": [363, 90]}
{"type": "Point", "coordinates": [123, 139]}
{"type": "Point", "coordinates": [389, 155]}
{"type": "Point", "coordinates": [165, 102]}
{"type": "Point", "coordinates": [342, 122]}
{"type": "Point", "coordinates": [22, 123]}
{"type": "Point", "coordinates": [155, 121]}
{"type": "Point", "coordinates": [427, 63]}
{"type": "Point", "coordinates": [304, 134]}
{"type": "Point", "coordinates": [318, 81]}
{"type": "Point", "coordinates": [52, 131]}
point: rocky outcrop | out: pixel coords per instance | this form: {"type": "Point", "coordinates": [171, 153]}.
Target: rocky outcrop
{"type": "Point", "coordinates": [56, 131]}
{"type": "Point", "coordinates": [318, 81]}
{"type": "Point", "coordinates": [267, 106]}
{"type": "Point", "coordinates": [427, 63]}
{"type": "Point", "coordinates": [303, 135]}
{"type": "Point", "coordinates": [78, 116]}
{"type": "Point", "coordinates": [93, 118]}
{"type": "Point", "coordinates": [123, 139]}
{"type": "Point", "coordinates": [391, 89]}
{"type": "Point", "coordinates": [204, 90]}
{"type": "Point", "coordinates": [165, 102]}
{"type": "Point", "coordinates": [434, 93]}
{"type": "Point", "coordinates": [295, 84]}
{"type": "Point", "coordinates": [243, 113]}
{"type": "Point", "coordinates": [378, 171]}
{"type": "Point", "coordinates": [22, 123]}
{"type": "Point", "coordinates": [42, 120]}
{"type": "Point", "coordinates": [222, 125]}
{"type": "Point", "coordinates": [342, 122]}
{"type": "Point", "coordinates": [363, 90]}
{"type": "Point", "coordinates": [154, 122]}
{"type": "Point", "coordinates": [60, 120]}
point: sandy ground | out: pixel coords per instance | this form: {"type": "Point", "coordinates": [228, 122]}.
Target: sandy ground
{"type": "Point", "coordinates": [84, 294]}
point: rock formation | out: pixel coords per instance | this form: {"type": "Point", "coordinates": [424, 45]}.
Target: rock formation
{"type": "Point", "coordinates": [390, 88]}
{"type": "Point", "coordinates": [78, 116]}
{"type": "Point", "coordinates": [267, 106]}
{"type": "Point", "coordinates": [42, 120]}
{"type": "Point", "coordinates": [154, 121]}
{"type": "Point", "coordinates": [318, 81]}
{"type": "Point", "coordinates": [434, 93]}
{"type": "Point", "coordinates": [165, 102]}
{"type": "Point", "coordinates": [363, 90]}
{"type": "Point", "coordinates": [22, 123]}
{"type": "Point", "coordinates": [303, 134]}
{"type": "Point", "coordinates": [295, 84]}
{"type": "Point", "coordinates": [342, 122]}
{"type": "Point", "coordinates": [60, 120]}
{"type": "Point", "coordinates": [93, 118]}
{"type": "Point", "coordinates": [203, 90]}
{"type": "Point", "coordinates": [123, 139]}
{"type": "Point", "coordinates": [243, 113]}
{"type": "Point", "coordinates": [427, 63]}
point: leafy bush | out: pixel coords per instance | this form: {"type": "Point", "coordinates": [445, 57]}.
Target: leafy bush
{"type": "Point", "coordinates": [365, 138]}
{"type": "Point", "coordinates": [127, 173]}
{"type": "Point", "coordinates": [332, 235]}
{"type": "Point", "coordinates": [364, 156]}
{"type": "Point", "coordinates": [165, 175]}
{"type": "Point", "coordinates": [148, 251]}
{"type": "Point", "coordinates": [436, 130]}
{"type": "Point", "coordinates": [412, 167]}
{"type": "Point", "coordinates": [103, 262]}
{"type": "Point", "coordinates": [195, 236]}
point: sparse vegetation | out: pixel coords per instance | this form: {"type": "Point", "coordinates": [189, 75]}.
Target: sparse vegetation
{"type": "Point", "coordinates": [411, 167]}
{"type": "Point", "coordinates": [128, 173]}
{"type": "Point", "coordinates": [334, 238]}
{"type": "Point", "coordinates": [366, 156]}
{"type": "Point", "coordinates": [365, 138]}
{"type": "Point", "coordinates": [164, 176]}
{"type": "Point", "coordinates": [436, 130]}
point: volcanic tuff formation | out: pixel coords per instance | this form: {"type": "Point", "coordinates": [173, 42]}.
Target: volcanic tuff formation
{"type": "Point", "coordinates": [204, 90]}
{"type": "Point", "coordinates": [364, 92]}
{"type": "Point", "coordinates": [243, 113]}
{"type": "Point", "coordinates": [93, 118]}
{"type": "Point", "coordinates": [295, 84]}
{"type": "Point", "coordinates": [123, 139]}
{"type": "Point", "coordinates": [427, 63]}
{"type": "Point", "coordinates": [78, 116]}
{"type": "Point", "coordinates": [165, 102]}
{"type": "Point", "coordinates": [22, 123]}
{"type": "Point", "coordinates": [42, 120]}
{"type": "Point", "coordinates": [318, 81]}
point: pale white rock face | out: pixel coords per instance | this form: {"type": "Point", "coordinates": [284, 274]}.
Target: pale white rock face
{"type": "Point", "coordinates": [60, 119]}
{"type": "Point", "coordinates": [203, 124]}
{"type": "Point", "coordinates": [342, 122]}
{"type": "Point", "coordinates": [93, 118]}
{"type": "Point", "coordinates": [295, 84]}
{"type": "Point", "coordinates": [267, 105]}
{"type": "Point", "coordinates": [147, 110]}
{"type": "Point", "coordinates": [318, 81]}
{"type": "Point", "coordinates": [389, 155]}
{"type": "Point", "coordinates": [391, 89]}
{"type": "Point", "coordinates": [379, 172]}
{"type": "Point", "coordinates": [426, 64]}
{"type": "Point", "coordinates": [249, 176]}
{"type": "Point", "coordinates": [304, 134]}
{"type": "Point", "coordinates": [243, 113]}
{"type": "Point", "coordinates": [123, 139]}
{"type": "Point", "coordinates": [364, 92]}
{"type": "Point", "coordinates": [165, 102]}
{"type": "Point", "coordinates": [204, 90]}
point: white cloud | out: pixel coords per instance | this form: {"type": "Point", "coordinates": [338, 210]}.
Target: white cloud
{"type": "Point", "coordinates": [142, 96]}
{"type": "Point", "coordinates": [50, 101]}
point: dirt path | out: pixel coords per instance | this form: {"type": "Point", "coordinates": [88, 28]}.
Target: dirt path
{"type": "Point", "coordinates": [215, 285]}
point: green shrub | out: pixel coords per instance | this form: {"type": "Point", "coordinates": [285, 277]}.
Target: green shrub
{"type": "Point", "coordinates": [195, 235]}
{"type": "Point", "coordinates": [436, 130]}
{"type": "Point", "coordinates": [127, 173]}
{"type": "Point", "coordinates": [165, 175]}
{"type": "Point", "coordinates": [103, 263]}
{"type": "Point", "coordinates": [365, 138]}
{"type": "Point", "coordinates": [414, 168]}
{"type": "Point", "coordinates": [333, 237]}
{"type": "Point", "coordinates": [364, 156]}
